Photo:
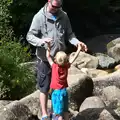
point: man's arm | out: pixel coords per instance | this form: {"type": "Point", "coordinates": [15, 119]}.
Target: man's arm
{"type": "Point", "coordinates": [32, 35]}
{"type": "Point", "coordinates": [48, 54]}
{"type": "Point", "coordinates": [76, 54]}
{"type": "Point", "coordinates": [34, 31]}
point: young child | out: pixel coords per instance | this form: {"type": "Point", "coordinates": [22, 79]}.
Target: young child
{"type": "Point", "coordinates": [60, 67]}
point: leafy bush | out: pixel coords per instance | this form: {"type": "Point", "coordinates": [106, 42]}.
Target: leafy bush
{"type": "Point", "coordinates": [6, 31]}
{"type": "Point", "coordinates": [15, 80]}
{"type": "Point", "coordinates": [22, 12]}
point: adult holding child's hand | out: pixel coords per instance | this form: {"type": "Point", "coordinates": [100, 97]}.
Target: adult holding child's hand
{"type": "Point", "coordinates": [50, 22]}
{"type": "Point", "coordinates": [48, 40]}
{"type": "Point", "coordinates": [83, 46]}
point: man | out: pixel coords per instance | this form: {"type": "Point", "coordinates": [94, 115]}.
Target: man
{"type": "Point", "coordinates": [50, 24]}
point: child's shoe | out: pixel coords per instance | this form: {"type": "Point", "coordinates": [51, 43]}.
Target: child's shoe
{"type": "Point", "coordinates": [45, 118]}
{"type": "Point", "coordinates": [54, 117]}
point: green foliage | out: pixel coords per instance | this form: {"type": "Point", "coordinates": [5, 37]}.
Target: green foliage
{"type": "Point", "coordinates": [15, 80]}
{"type": "Point", "coordinates": [22, 12]}
{"type": "Point", "coordinates": [16, 51]}
{"type": "Point", "coordinates": [6, 31]}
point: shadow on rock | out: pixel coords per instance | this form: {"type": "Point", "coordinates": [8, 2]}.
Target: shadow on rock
{"type": "Point", "coordinates": [97, 114]}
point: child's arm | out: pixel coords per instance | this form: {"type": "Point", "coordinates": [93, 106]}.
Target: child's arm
{"type": "Point", "coordinates": [76, 54]}
{"type": "Point", "coordinates": [48, 54]}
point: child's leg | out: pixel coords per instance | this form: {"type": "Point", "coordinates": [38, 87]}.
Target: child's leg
{"type": "Point", "coordinates": [66, 116]}
{"type": "Point", "coordinates": [60, 117]}
{"type": "Point", "coordinates": [66, 113]}
{"type": "Point", "coordinates": [58, 104]}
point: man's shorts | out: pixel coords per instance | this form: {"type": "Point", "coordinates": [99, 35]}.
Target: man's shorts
{"type": "Point", "coordinates": [60, 101]}
{"type": "Point", "coordinates": [43, 76]}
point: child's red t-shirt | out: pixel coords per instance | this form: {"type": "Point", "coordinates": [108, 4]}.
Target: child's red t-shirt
{"type": "Point", "coordinates": [59, 76]}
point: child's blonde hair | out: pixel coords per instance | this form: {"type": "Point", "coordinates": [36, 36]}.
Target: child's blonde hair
{"type": "Point", "coordinates": [61, 58]}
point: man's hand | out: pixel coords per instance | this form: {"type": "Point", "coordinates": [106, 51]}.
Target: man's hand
{"type": "Point", "coordinates": [83, 46]}
{"type": "Point", "coordinates": [47, 40]}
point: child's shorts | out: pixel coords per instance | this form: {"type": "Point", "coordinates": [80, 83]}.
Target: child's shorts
{"type": "Point", "coordinates": [60, 101]}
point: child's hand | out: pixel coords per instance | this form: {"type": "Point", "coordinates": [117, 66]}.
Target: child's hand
{"type": "Point", "coordinates": [79, 47]}
{"type": "Point", "coordinates": [48, 45]}
{"type": "Point", "coordinates": [48, 49]}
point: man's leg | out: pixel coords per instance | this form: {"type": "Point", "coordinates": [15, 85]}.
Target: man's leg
{"type": "Point", "coordinates": [66, 113]}
{"type": "Point", "coordinates": [43, 79]}
{"type": "Point", "coordinates": [43, 102]}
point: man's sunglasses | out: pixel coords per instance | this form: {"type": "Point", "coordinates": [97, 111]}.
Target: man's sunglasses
{"type": "Point", "coordinates": [56, 7]}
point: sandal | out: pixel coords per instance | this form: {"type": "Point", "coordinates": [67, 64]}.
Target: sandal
{"type": "Point", "coordinates": [45, 118]}
{"type": "Point", "coordinates": [54, 117]}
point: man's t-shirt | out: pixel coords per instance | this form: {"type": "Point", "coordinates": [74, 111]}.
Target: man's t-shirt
{"type": "Point", "coordinates": [59, 76]}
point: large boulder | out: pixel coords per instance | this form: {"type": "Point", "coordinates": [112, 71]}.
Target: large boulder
{"type": "Point", "coordinates": [105, 62]}
{"type": "Point", "coordinates": [105, 81]}
{"type": "Point", "coordinates": [80, 87]}
{"type": "Point", "coordinates": [106, 115]}
{"type": "Point", "coordinates": [74, 70]}
{"type": "Point", "coordinates": [97, 114]}
{"type": "Point", "coordinates": [32, 102]}
{"type": "Point", "coordinates": [93, 73]}
{"type": "Point", "coordinates": [3, 103]}
{"type": "Point", "coordinates": [15, 111]}
{"type": "Point", "coordinates": [111, 97]}
{"type": "Point", "coordinates": [92, 102]}
{"type": "Point", "coordinates": [85, 60]}
{"type": "Point", "coordinates": [111, 93]}
{"type": "Point", "coordinates": [113, 49]}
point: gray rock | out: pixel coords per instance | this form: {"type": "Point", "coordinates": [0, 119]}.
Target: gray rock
{"type": "Point", "coordinates": [97, 114]}
{"type": "Point", "coordinates": [106, 115]}
{"type": "Point", "coordinates": [112, 43]}
{"type": "Point", "coordinates": [93, 73]}
{"type": "Point", "coordinates": [105, 62]}
{"type": "Point", "coordinates": [15, 111]}
{"type": "Point", "coordinates": [105, 81]}
{"type": "Point", "coordinates": [91, 102]}
{"type": "Point", "coordinates": [32, 102]}
{"type": "Point", "coordinates": [85, 60]}
{"type": "Point", "coordinates": [73, 70]}
{"type": "Point", "coordinates": [3, 103]}
{"type": "Point", "coordinates": [111, 93]}
{"type": "Point", "coordinates": [113, 49]}
{"type": "Point", "coordinates": [111, 96]}
{"type": "Point", "coordinates": [114, 52]}
{"type": "Point", "coordinates": [80, 87]}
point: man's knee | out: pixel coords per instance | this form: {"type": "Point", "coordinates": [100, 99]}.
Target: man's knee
{"type": "Point", "coordinates": [44, 77]}
{"type": "Point", "coordinates": [44, 90]}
